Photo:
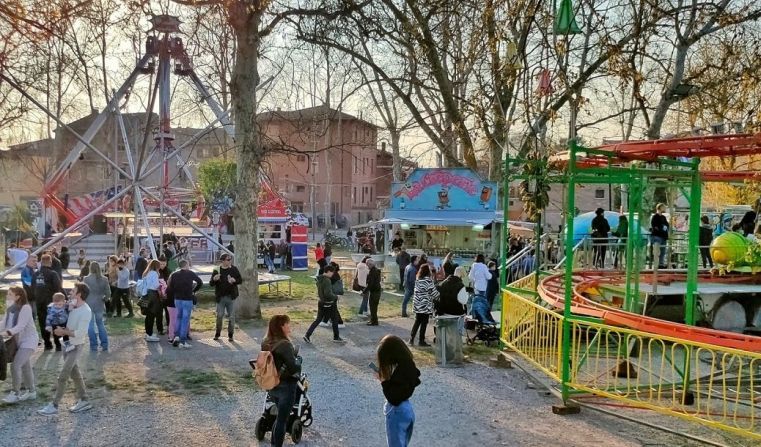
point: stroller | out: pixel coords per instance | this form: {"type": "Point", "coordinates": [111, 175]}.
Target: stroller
{"type": "Point", "coordinates": [300, 417]}
{"type": "Point", "coordinates": [478, 330]}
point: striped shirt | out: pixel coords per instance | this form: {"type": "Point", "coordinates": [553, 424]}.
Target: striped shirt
{"type": "Point", "coordinates": [422, 298]}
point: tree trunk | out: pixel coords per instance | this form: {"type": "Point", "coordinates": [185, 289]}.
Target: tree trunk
{"type": "Point", "coordinates": [396, 159]}
{"type": "Point", "coordinates": [250, 154]}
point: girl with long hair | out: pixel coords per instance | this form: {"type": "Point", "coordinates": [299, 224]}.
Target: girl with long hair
{"type": "Point", "coordinates": [278, 341]}
{"type": "Point", "coordinates": [422, 302]}
{"type": "Point", "coordinates": [398, 376]}
{"type": "Point", "coordinates": [100, 294]}
{"type": "Point", "coordinates": [153, 310]}
{"type": "Point", "coordinates": [18, 322]}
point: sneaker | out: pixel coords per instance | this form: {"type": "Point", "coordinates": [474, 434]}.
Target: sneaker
{"type": "Point", "coordinates": [68, 347]}
{"type": "Point", "coordinates": [152, 338]}
{"type": "Point", "coordinates": [230, 338]}
{"type": "Point", "coordinates": [185, 345]}
{"type": "Point", "coordinates": [27, 395]}
{"type": "Point", "coordinates": [80, 406]}
{"type": "Point", "coordinates": [341, 326]}
{"type": "Point", "coordinates": [11, 398]}
{"type": "Point", "coordinates": [306, 339]}
{"type": "Point", "coordinates": [216, 337]}
{"type": "Point", "coordinates": [48, 410]}
{"type": "Point", "coordinates": [176, 341]}
{"type": "Point", "coordinates": [339, 340]}
{"type": "Point", "coordinates": [324, 324]}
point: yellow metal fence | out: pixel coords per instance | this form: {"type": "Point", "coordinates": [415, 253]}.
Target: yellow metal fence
{"type": "Point", "coordinates": [641, 369]}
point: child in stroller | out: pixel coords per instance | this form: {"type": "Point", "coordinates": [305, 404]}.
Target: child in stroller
{"type": "Point", "coordinates": [300, 417]}
{"type": "Point", "coordinates": [480, 323]}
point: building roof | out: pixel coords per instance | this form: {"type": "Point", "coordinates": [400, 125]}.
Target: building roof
{"type": "Point", "coordinates": [40, 148]}
{"type": "Point", "coordinates": [311, 114]}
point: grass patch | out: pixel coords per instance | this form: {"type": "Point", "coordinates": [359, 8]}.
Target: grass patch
{"type": "Point", "coordinates": [480, 352]}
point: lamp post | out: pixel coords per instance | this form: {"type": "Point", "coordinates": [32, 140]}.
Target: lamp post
{"type": "Point", "coordinates": [312, 194]}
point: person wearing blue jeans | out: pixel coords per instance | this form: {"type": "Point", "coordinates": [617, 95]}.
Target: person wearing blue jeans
{"type": "Point", "coordinates": [182, 286]}
{"type": "Point", "coordinates": [398, 376]}
{"type": "Point", "coordinates": [410, 274]}
{"type": "Point", "coordinates": [97, 322]}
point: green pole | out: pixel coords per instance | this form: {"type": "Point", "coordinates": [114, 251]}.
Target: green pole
{"type": "Point", "coordinates": [631, 241]}
{"type": "Point", "coordinates": [566, 354]}
{"type": "Point", "coordinates": [694, 241]}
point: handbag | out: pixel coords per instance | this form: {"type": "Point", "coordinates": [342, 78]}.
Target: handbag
{"type": "Point", "coordinates": [355, 284]}
{"type": "Point", "coordinates": [11, 347]}
{"type": "Point", "coordinates": [143, 302]}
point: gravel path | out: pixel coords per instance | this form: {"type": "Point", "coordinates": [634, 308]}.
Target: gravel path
{"type": "Point", "coordinates": [158, 395]}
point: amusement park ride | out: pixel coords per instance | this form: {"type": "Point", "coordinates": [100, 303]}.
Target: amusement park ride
{"type": "Point", "coordinates": [165, 55]}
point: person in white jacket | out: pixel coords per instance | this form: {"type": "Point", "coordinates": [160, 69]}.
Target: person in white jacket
{"type": "Point", "coordinates": [479, 275]}
{"type": "Point", "coordinates": [362, 271]}
{"type": "Point", "coordinates": [76, 329]}
{"type": "Point", "coordinates": [18, 322]}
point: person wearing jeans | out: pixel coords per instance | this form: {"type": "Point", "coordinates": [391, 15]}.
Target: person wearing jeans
{"type": "Point", "coordinates": [76, 328]}
{"type": "Point", "coordinates": [98, 294]}
{"type": "Point", "coordinates": [225, 281]}
{"type": "Point", "coordinates": [399, 377]}
{"type": "Point", "coordinates": [18, 322]}
{"type": "Point", "coordinates": [182, 286]}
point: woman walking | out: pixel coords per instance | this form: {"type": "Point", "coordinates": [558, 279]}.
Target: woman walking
{"type": "Point", "coordinates": [398, 376]}
{"type": "Point", "coordinates": [362, 271]}
{"type": "Point", "coordinates": [153, 309]}
{"type": "Point", "coordinates": [100, 294]}
{"type": "Point", "coordinates": [112, 273]}
{"type": "Point", "coordinates": [422, 303]}
{"type": "Point", "coordinates": [278, 341]}
{"type": "Point", "coordinates": [18, 322]}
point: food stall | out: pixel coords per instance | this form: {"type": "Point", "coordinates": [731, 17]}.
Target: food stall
{"type": "Point", "coordinates": [443, 210]}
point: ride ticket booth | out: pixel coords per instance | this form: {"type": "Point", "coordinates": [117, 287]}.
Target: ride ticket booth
{"type": "Point", "coordinates": [444, 210]}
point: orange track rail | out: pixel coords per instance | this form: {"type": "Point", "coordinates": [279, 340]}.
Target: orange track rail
{"type": "Point", "coordinates": [552, 291]}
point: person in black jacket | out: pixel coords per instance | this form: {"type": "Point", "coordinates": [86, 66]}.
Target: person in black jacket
{"type": "Point", "coordinates": [492, 285]}
{"type": "Point", "coordinates": [287, 361]}
{"type": "Point", "coordinates": [65, 258]}
{"type": "Point", "coordinates": [398, 376]}
{"type": "Point", "coordinates": [225, 281]}
{"type": "Point", "coordinates": [181, 287]}
{"type": "Point", "coordinates": [448, 303]}
{"type": "Point", "coordinates": [338, 289]}
{"type": "Point", "coordinates": [374, 287]}
{"type": "Point", "coordinates": [659, 233]}
{"type": "Point", "coordinates": [600, 230]}
{"type": "Point", "coordinates": [45, 283]}
{"type": "Point", "coordinates": [706, 237]}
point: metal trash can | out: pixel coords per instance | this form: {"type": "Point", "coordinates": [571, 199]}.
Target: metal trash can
{"type": "Point", "coordinates": [448, 346]}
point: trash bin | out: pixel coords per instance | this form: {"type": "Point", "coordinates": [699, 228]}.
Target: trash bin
{"type": "Point", "coordinates": [448, 346]}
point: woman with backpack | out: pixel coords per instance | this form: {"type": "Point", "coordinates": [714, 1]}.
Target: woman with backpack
{"type": "Point", "coordinates": [18, 322]}
{"type": "Point", "coordinates": [398, 376]}
{"type": "Point", "coordinates": [288, 363]}
{"type": "Point", "coordinates": [422, 303]}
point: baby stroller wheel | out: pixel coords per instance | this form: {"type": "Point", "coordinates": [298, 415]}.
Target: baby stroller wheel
{"type": "Point", "coordinates": [260, 429]}
{"type": "Point", "coordinates": [296, 431]}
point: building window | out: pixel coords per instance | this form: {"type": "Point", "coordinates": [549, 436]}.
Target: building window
{"type": "Point", "coordinates": [297, 207]}
{"type": "Point", "coordinates": [300, 188]}
{"type": "Point", "coordinates": [599, 193]}
{"type": "Point", "coordinates": [364, 191]}
{"type": "Point", "coordinates": [356, 165]}
{"type": "Point", "coordinates": [301, 158]}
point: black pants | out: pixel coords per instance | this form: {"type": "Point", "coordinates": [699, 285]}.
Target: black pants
{"type": "Point", "coordinates": [421, 321]}
{"type": "Point", "coordinates": [110, 303]}
{"type": "Point", "coordinates": [599, 255]}
{"type": "Point", "coordinates": [326, 318]}
{"type": "Point", "coordinates": [284, 396]}
{"type": "Point", "coordinates": [122, 296]}
{"type": "Point", "coordinates": [706, 255]}
{"type": "Point", "coordinates": [401, 278]}
{"type": "Point", "coordinates": [374, 301]}
{"type": "Point", "coordinates": [57, 339]}
{"type": "Point", "coordinates": [153, 315]}
{"type": "Point", "coordinates": [322, 312]}
{"type": "Point", "coordinates": [42, 315]}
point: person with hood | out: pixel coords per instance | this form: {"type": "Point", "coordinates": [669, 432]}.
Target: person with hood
{"type": "Point", "coordinates": [288, 363]}
{"type": "Point", "coordinates": [724, 225]}
{"type": "Point", "coordinates": [399, 377]}
{"type": "Point", "coordinates": [45, 283]}
{"type": "Point", "coordinates": [374, 290]}
{"type": "Point", "coordinates": [706, 237]}
{"type": "Point", "coordinates": [600, 230]}
{"type": "Point", "coordinates": [338, 289]}
{"type": "Point", "coordinates": [327, 305]}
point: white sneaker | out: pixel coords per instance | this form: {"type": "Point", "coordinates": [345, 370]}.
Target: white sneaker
{"type": "Point", "coordinates": [48, 410]}
{"type": "Point", "coordinates": [80, 406]}
{"type": "Point", "coordinates": [186, 345]}
{"type": "Point", "coordinates": [26, 395]}
{"type": "Point", "coordinates": [324, 324]}
{"type": "Point", "coordinates": [11, 398]}
{"type": "Point", "coordinates": [341, 326]}
{"type": "Point", "coordinates": [152, 338]}
{"type": "Point", "coordinates": [68, 347]}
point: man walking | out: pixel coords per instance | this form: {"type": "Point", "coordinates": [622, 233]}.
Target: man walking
{"type": "Point", "coordinates": [182, 286]}
{"type": "Point", "coordinates": [402, 260]}
{"type": "Point", "coordinates": [45, 283]}
{"type": "Point", "coordinates": [225, 282]}
{"type": "Point", "coordinates": [327, 305]}
{"type": "Point", "coordinates": [76, 330]}
{"type": "Point", "coordinates": [374, 288]}
{"type": "Point", "coordinates": [410, 273]}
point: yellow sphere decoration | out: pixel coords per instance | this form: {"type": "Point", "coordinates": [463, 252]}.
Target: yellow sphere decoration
{"type": "Point", "coordinates": [728, 248]}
